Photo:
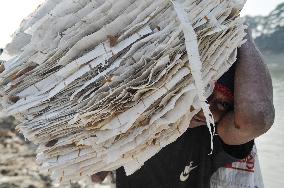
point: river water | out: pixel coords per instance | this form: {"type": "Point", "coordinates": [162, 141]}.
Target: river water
{"type": "Point", "coordinates": [270, 145]}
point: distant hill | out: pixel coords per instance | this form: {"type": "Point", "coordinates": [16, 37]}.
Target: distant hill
{"type": "Point", "coordinates": [268, 31]}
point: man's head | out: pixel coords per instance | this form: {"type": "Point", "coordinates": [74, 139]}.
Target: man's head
{"type": "Point", "coordinates": [221, 101]}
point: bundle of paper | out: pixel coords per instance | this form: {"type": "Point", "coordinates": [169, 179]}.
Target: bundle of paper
{"type": "Point", "coordinates": [100, 84]}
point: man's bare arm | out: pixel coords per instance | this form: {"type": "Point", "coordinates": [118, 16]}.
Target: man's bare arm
{"type": "Point", "coordinates": [253, 109]}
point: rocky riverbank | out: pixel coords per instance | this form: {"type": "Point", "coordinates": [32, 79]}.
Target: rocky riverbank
{"type": "Point", "coordinates": [17, 163]}
{"type": "Point", "coordinates": [18, 168]}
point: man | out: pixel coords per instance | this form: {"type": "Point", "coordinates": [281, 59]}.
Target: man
{"type": "Point", "coordinates": [242, 106]}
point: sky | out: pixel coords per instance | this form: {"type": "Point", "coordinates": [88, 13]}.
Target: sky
{"type": "Point", "coordinates": [260, 7]}
{"type": "Point", "coordinates": [13, 11]}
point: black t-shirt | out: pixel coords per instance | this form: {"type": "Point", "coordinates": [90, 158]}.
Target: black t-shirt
{"type": "Point", "coordinates": [186, 163]}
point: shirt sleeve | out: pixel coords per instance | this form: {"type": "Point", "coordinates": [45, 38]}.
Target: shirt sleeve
{"type": "Point", "coordinates": [225, 154]}
{"type": "Point", "coordinates": [238, 151]}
